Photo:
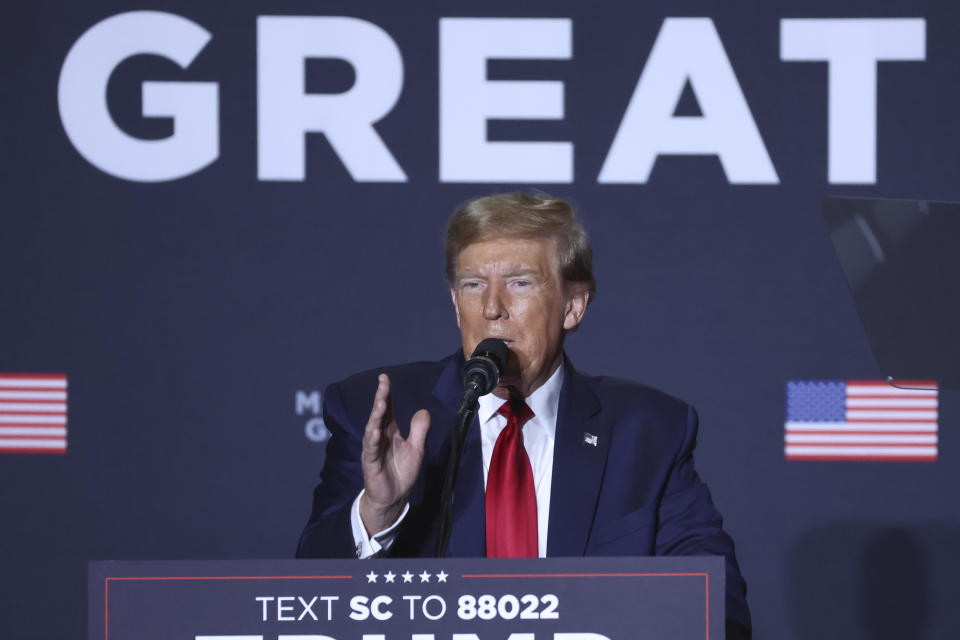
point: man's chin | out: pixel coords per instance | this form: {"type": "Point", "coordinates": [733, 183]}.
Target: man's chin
{"type": "Point", "coordinates": [503, 392]}
{"type": "Point", "coordinates": [508, 385]}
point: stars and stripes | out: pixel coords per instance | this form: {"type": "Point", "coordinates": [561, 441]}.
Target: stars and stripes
{"type": "Point", "coordinates": [861, 420]}
{"type": "Point", "coordinates": [33, 413]}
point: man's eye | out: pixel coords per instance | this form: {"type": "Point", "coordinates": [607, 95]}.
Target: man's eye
{"type": "Point", "coordinates": [471, 285]}
{"type": "Point", "coordinates": [521, 283]}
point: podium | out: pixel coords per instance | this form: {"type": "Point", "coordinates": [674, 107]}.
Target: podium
{"type": "Point", "coordinates": [665, 598]}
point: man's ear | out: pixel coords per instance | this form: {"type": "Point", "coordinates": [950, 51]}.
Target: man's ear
{"type": "Point", "coordinates": [576, 307]}
{"type": "Point", "coordinates": [456, 307]}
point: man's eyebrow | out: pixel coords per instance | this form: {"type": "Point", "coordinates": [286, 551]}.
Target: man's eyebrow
{"type": "Point", "coordinates": [512, 272]}
{"type": "Point", "coordinates": [521, 271]}
{"type": "Point", "coordinates": [468, 273]}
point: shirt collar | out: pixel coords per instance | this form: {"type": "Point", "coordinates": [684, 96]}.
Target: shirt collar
{"type": "Point", "coordinates": [544, 402]}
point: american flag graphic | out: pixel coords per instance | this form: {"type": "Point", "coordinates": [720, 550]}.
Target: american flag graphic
{"type": "Point", "coordinates": [861, 420]}
{"type": "Point", "coordinates": [33, 413]}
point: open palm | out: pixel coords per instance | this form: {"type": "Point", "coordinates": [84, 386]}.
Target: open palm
{"type": "Point", "coordinates": [390, 461]}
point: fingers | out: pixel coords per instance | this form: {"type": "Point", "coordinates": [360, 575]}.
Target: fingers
{"type": "Point", "coordinates": [419, 425]}
{"type": "Point", "coordinates": [381, 408]}
{"type": "Point", "coordinates": [381, 423]}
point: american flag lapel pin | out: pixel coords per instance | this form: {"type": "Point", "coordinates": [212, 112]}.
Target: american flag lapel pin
{"type": "Point", "coordinates": [590, 439]}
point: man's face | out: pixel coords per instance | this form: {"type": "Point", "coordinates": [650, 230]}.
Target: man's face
{"type": "Point", "coordinates": [511, 288]}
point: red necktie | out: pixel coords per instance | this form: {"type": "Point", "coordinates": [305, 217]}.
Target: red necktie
{"type": "Point", "coordinates": [511, 500]}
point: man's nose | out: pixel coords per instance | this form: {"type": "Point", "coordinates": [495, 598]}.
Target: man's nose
{"type": "Point", "coordinates": [494, 305]}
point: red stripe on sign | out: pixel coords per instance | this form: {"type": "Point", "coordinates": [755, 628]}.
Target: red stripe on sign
{"type": "Point", "coordinates": [36, 400]}
{"type": "Point", "coordinates": [36, 436]}
{"type": "Point", "coordinates": [25, 450]}
{"type": "Point", "coordinates": [581, 575]}
{"type": "Point", "coordinates": [33, 376]}
{"type": "Point", "coordinates": [164, 578]}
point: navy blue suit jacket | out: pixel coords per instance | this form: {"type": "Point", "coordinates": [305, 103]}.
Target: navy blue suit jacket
{"type": "Point", "coordinates": [635, 493]}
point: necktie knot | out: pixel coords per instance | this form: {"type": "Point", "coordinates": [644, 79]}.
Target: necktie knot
{"type": "Point", "coordinates": [518, 413]}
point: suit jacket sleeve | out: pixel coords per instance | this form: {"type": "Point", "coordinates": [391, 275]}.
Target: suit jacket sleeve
{"type": "Point", "coordinates": [689, 524]}
{"type": "Point", "coordinates": [328, 533]}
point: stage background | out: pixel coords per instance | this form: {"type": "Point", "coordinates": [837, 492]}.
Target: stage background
{"type": "Point", "coordinates": [190, 314]}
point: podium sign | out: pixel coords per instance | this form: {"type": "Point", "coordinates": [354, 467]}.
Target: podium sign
{"type": "Point", "coordinates": [414, 599]}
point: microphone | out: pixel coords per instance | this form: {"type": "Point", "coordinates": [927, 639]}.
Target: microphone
{"type": "Point", "coordinates": [480, 375]}
{"type": "Point", "coordinates": [482, 371]}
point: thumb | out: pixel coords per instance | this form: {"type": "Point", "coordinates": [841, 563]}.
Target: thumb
{"type": "Point", "coordinates": [419, 425]}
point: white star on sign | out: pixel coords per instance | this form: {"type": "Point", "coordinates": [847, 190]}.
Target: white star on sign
{"type": "Point", "coordinates": [371, 577]}
{"type": "Point", "coordinates": [389, 576]}
{"type": "Point", "coordinates": [441, 577]}
{"type": "Point", "coordinates": [407, 577]}
{"type": "Point", "coordinates": [424, 577]}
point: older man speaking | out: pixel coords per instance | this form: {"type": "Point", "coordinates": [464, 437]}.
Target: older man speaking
{"type": "Point", "coordinates": [558, 463]}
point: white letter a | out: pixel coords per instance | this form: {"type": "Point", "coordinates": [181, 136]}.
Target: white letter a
{"type": "Point", "coordinates": [688, 50]}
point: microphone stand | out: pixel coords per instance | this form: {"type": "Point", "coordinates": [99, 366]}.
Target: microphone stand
{"type": "Point", "coordinates": [480, 375]}
{"type": "Point", "coordinates": [468, 409]}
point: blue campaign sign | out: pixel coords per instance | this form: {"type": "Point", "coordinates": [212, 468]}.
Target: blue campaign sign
{"type": "Point", "coordinates": [416, 599]}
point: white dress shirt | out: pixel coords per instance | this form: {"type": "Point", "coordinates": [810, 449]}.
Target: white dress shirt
{"type": "Point", "coordinates": [538, 438]}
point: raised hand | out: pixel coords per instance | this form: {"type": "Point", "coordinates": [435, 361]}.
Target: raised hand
{"type": "Point", "coordinates": [390, 462]}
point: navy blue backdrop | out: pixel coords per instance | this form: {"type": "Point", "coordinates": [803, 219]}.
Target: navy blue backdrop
{"type": "Point", "coordinates": [197, 310]}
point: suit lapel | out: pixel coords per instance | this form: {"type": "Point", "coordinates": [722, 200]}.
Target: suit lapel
{"type": "Point", "coordinates": [468, 511]}
{"type": "Point", "coordinates": [578, 466]}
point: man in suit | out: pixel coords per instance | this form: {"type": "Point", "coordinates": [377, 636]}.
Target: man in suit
{"type": "Point", "coordinates": [557, 463]}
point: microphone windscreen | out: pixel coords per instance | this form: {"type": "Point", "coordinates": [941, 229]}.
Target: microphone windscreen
{"type": "Point", "coordinates": [494, 349]}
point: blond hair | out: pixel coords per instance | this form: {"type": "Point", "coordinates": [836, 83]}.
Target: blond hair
{"type": "Point", "coordinates": [519, 215]}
